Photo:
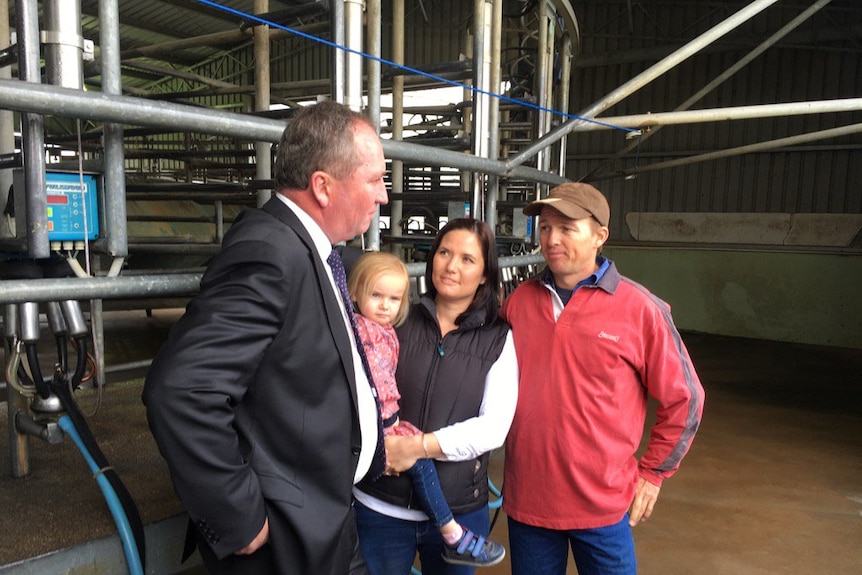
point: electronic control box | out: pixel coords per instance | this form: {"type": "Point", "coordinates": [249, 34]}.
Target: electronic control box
{"type": "Point", "coordinates": [72, 205]}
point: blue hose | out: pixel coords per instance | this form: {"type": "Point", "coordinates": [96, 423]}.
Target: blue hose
{"type": "Point", "coordinates": [496, 491]}
{"type": "Point", "coordinates": [133, 559]}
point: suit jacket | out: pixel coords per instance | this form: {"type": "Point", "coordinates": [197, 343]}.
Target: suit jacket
{"type": "Point", "coordinates": [252, 400]}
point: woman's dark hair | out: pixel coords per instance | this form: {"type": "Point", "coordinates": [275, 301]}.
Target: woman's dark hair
{"type": "Point", "coordinates": [487, 297]}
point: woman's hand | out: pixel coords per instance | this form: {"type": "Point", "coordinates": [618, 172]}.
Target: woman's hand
{"type": "Point", "coordinates": [402, 452]}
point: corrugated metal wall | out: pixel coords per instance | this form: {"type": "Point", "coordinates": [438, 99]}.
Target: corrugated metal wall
{"type": "Point", "coordinates": [817, 61]}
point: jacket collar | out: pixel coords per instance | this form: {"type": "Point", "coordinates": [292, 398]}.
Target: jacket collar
{"type": "Point", "coordinates": [473, 321]}
{"type": "Point", "coordinates": [608, 282]}
{"type": "Point", "coordinates": [286, 210]}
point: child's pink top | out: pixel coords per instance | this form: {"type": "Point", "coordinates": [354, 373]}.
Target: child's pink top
{"type": "Point", "coordinates": [381, 348]}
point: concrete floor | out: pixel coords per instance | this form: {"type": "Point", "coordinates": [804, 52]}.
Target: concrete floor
{"type": "Point", "coordinates": [772, 484]}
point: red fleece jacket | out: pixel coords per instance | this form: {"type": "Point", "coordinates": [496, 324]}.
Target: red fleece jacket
{"type": "Point", "coordinates": [585, 379]}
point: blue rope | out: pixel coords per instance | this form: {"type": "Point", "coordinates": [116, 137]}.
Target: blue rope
{"type": "Point", "coordinates": [331, 44]}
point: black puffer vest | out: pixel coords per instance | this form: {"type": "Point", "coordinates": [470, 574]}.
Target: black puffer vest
{"type": "Point", "coordinates": [442, 381]}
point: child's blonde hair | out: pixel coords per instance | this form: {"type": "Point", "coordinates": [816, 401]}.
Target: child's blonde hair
{"type": "Point", "coordinates": [369, 268]}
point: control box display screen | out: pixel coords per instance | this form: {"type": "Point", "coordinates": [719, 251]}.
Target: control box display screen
{"type": "Point", "coordinates": [72, 206]}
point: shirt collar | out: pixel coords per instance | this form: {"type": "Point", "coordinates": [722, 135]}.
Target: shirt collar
{"type": "Point", "coordinates": [320, 239]}
{"type": "Point", "coordinates": [603, 264]}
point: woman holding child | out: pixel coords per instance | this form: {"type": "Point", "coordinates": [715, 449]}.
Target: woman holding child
{"type": "Point", "coordinates": [458, 379]}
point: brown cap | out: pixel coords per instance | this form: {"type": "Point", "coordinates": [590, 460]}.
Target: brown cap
{"type": "Point", "coordinates": [575, 200]}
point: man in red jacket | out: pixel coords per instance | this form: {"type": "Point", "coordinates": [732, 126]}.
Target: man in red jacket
{"type": "Point", "coordinates": [592, 346]}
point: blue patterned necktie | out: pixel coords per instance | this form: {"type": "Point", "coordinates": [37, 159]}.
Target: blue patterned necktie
{"type": "Point", "coordinates": [378, 463]}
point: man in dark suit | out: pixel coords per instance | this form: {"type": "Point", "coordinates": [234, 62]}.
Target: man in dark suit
{"type": "Point", "coordinates": [258, 400]}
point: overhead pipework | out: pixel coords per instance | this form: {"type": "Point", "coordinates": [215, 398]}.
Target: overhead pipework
{"type": "Point", "coordinates": [179, 130]}
{"type": "Point", "coordinates": [129, 145]}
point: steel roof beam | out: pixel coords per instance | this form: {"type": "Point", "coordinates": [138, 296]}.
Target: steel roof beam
{"type": "Point", "coordinates": [643, 79]}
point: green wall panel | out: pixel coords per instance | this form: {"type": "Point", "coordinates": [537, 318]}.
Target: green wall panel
{"type": "Point", "coordinates": [793, 297]}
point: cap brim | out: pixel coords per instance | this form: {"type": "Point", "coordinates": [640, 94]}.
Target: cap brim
{"type": "Point", "coordinates": [565, 207]}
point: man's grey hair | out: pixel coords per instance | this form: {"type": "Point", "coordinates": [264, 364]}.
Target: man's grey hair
{"type": "Point", "coordinates": [319, 137]}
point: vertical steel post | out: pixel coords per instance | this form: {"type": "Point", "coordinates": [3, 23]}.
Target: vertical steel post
{"type": "Point", "coordinates": [19, 443]}
{"type": "Point", "coordinates": [262, 150]}
{"type": "Point", "coordinates": [353, 39]}
{"type": "Point", "coordinates": [64, 44]}
{"type": "Point", "coordinates": [566, 58]}
{"type": "Point", "coordinates": [494, 81]}
{"type": "Point", "coordinates": [32, 132]}
{"type": "Point", "coordinates": [336, 19]}
{"type": "Point", "coordinates": [7, 125]}
{"type": "Point", "coordinates": [374, 42]}
{"type": "Point", "coordinates": [112, 133]}
{"type": "Point", "coordinates": [543, 75]}
{"type": "Point", "coordinates": [114, 189]}
{"type": "Point", "coordinates": [482, 18]}
{"type": "Point", "coordinates": [396, 207]}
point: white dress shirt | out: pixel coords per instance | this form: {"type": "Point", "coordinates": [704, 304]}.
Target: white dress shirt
{"type": "Point", "coordinates": [367, 407]}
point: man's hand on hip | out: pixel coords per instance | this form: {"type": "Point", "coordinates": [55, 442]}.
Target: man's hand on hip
{"type": "Point", "coordinates": [644, 501]}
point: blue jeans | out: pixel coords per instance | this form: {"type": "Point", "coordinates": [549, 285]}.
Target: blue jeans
{"type": "Point", "coordinates": [389, 545]}
{"type": "Point", "coordinates": [426, 484]}
{"type": "Point", "coordinates": [601, 551]}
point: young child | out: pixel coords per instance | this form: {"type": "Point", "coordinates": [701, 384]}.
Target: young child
{"type": "Point", "coordinates": [378, 286]}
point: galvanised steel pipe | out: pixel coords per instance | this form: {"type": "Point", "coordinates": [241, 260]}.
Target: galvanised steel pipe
{"type": "Point", "coordinates": [437, 157]}
{"type": "Point", "coordinates": [32, 131]}
{"type": "Point", "coordinates": [18, 291]}
{"type": "Point", "coordinates": [207, 41]}
{"type": "Point", "coordinates": [374, 42]}
{"type": "Point", "coordinates": [543, 80]}
{"type": "Point", "coordinates": [731, 113]}
{"type": "Point", "coordinates": [114, 165]}
{"type": "Point", "coordinates": [573, 33]}
{"type": "Point", "coordinates": [566, 77]}
{"type": "Point", "coordinates": [339, 73]}
{"type": "Point", "coordinates": [116, 236]}
{"type": "Point", "coordinates": [353, 62]}
{"type": "Point", "coordinates": [27, 97]}
{"type": "Point", "coordinates": [482, 22]}
{"type": "Point", "coordinates": [7, 123]}
{"type": "Point", "coordinates": [64, 44]}
{"type": "Point", "coordinates": [492, 190]}
{"type": "Point", "coordinates": [57, 101]}
{"type": "Point", "coordinates": [159, 285]}
{"type": "Point", "coordinates": [396, 206]}
{"type": "Point", "coordinates": [751, 148]}
{"type": "Point", "coordinates": [262, 90]}
{"type": "Point", "coordinates": [644, 78]}
{"type": "Point", "coordinates": [183, 75]}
